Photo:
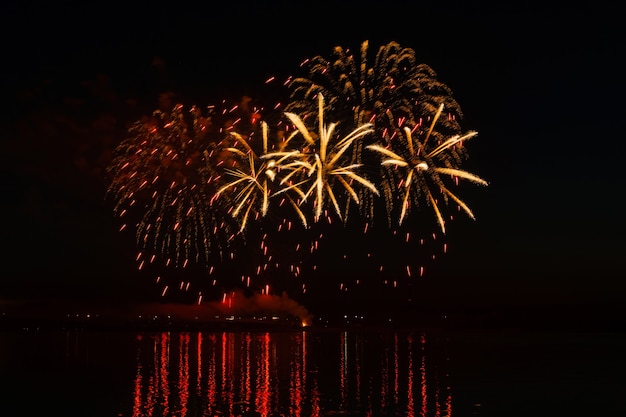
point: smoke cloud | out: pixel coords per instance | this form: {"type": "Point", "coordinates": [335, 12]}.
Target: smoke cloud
{"type": "Point", "coordinates": [235, 303]}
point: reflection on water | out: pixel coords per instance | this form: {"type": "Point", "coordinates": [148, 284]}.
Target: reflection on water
{"type": "Point", "coordinates": [318, 372]}
{"type": "Point", "coordinates": [290, 374]}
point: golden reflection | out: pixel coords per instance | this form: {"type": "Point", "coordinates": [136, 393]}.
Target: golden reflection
{"type": "Point", "coordinates": [301, 373]}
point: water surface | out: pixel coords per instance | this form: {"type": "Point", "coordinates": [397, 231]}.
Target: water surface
{"type": "Point", "coordinates": [320, 372]}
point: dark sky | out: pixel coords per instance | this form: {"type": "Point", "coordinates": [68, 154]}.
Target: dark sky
{"type": "Point", "coordinates": [541, 84]}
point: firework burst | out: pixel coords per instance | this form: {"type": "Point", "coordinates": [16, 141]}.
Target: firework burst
{"type": "Point", "coordinates": [249, 191]}
{"type": "Point", "coordinates": [420, 167]}
{"type": "Point", "coordinates": [322, 170]}
{"type": "Point", "coordinates": [162, 182]}
{"type": "Point", "coordinates": [396, 87]}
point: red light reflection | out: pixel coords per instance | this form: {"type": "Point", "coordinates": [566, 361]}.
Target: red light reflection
{"type": "Point", "coordinates": [296, 373]}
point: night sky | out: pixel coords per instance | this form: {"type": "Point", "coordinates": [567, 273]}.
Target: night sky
{"type": "Point", "coordinates": [542, 85]}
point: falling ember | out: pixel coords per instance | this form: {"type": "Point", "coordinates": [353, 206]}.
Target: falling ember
{"type": "Point", "coordinates": [421, 271]}
{"type": "Point", "coordinates": [164, 291]}
{"type": "Point", "coordinates": [408, 270]}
